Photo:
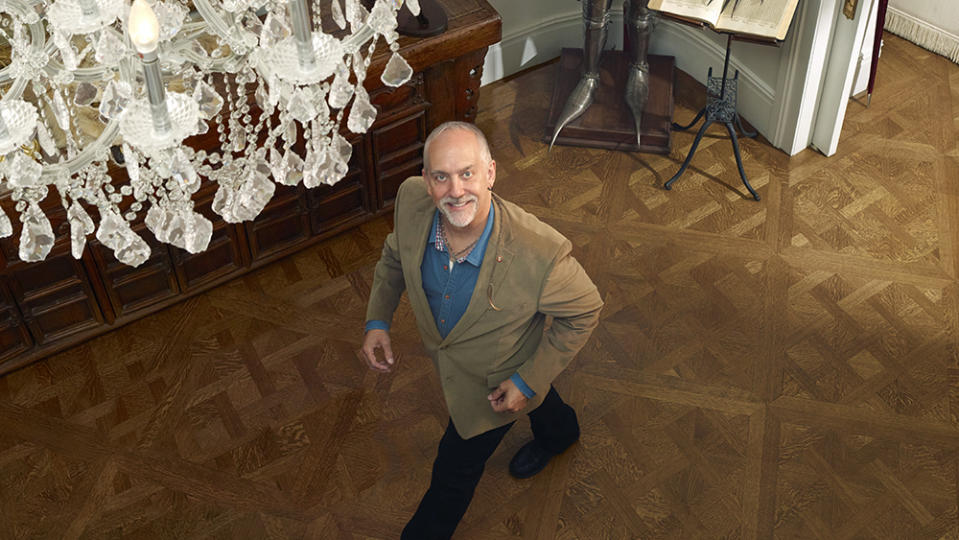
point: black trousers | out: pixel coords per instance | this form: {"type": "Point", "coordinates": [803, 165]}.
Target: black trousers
{"type": "Point", "coordinates": [460, 462]}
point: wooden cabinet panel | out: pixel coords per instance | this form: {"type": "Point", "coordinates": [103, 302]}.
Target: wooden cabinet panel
{"type": "Point", "coordinates": [14, 339]}
{"type": "Point", "coordinates": [31, 282]}
{"type": "Point", "coordinates": [398, 152]}
{"type": "Point", "coordinates": [347, 200]}
{"type": "Point", "coordinates": [70, 314]}
{"type": "Point", "coordinates": [391, 101]}
{"type": "Point", "coordinates": [338, 208]}
{"type": "Point", "coordinates": [224, 256]}
{"type": "Point", "coordinates": [134, 289]}
{"type": "Point", "coordinates": [283, 224]}
{"type": "Point", "coordinates": [10, 246]}
{"type": "Point", "coordinates": [55, 296]}
{"type": "Point", "coordinates": [14, 336]}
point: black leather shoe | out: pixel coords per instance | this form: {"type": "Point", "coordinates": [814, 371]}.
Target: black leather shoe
{"type": "Point", "coordinates": [529, 460]}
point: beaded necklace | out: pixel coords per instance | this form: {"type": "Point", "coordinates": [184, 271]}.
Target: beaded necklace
{"type": "Point", "coordinates": [458, 256]}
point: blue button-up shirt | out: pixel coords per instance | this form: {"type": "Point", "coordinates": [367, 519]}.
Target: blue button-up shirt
{"type": "Point", "coordinates": [449, 284]}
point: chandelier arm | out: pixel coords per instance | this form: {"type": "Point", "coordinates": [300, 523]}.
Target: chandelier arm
{"type": "Point", "coordinates": [96, 148]}
{"type": "Point", "coordinates": [219, 65]}
{"type": "Point", "coordinates": [231, 34]}
{"type": "Point", "coordinates": [38, 39]}
{"type": "Point", "coordinates": [16, 90]}
{"type": "Point", "coordinates": [191, 31]}
{"type": "Point", "coordinates": [93, 150]}
{"type": "Point", "coordinates": [84, 74]}
{"type": "Point", "coordinates": [182, 47]}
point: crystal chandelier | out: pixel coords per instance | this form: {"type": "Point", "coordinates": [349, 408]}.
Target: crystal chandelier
{"type": "Point", "coordinates": [91, 80]}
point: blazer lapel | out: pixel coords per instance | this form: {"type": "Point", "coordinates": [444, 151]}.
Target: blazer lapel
{"type": "Point", "coordinates": [496, 261]}
{"type": "Point", "coordinates": [417, 247]}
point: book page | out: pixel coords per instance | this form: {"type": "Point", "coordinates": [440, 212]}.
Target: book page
{"type": "Point", "coordinates": [766, 18]}
{"type": "Point", "coordinates": [703, 10]}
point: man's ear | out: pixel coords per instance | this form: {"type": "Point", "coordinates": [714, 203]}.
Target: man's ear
{"type": "Point", "coordinates": [426, 180]}
{"type": "Point", "coordinates": [491, 173]}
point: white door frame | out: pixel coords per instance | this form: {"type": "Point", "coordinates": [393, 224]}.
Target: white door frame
{"type": "Point", "coordinates": [839, 78]}
{"type": "Point", "coordinates": [816, 79]}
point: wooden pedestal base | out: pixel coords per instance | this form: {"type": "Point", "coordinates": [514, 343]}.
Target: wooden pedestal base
{"type": "Point", "coordinates": [608, 123]}
{"type": "Point", "coordinates": [432, 20]}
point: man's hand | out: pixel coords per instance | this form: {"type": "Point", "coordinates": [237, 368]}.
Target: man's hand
{"type": "Point", "coordinates": [374, 339]}
{"type": "Point", "coordinates": [507, 398]}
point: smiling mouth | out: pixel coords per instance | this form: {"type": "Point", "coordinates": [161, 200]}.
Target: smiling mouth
{"type": "Point", "coordinates": [460, 206]}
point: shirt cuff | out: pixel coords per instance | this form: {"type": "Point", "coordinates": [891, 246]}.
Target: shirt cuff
{"type": "Point", "coordinates": [523, 387]}
{"type": "Point", "coordinates": [377, 325]}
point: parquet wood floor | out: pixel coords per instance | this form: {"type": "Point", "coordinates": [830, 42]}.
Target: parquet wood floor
{"type": "Point", "coordinates": [781, 369]}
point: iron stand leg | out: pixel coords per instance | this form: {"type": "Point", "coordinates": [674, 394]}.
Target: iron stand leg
{"type": "Point", "coordinates": [689, 157]}
{"type": "Point", "coordinates": [720, 107]}
{"type": "Point", "coordinates": [689, 125]}
{"type": "Point", "coordinates": [739, 159]}
{"type": "Point", "coordinates": [739, 124]}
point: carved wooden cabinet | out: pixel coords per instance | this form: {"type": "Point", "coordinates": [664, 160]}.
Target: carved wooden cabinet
{"type": "Point", "coordinates": [53, 304]}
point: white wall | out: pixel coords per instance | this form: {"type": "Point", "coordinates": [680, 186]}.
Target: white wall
{"type": "Point", "coordinates": [933, 24]}
{"type": "Point", "coordinates": [942, 14]}
{"type": "Point", "coordinates": [535, 31]}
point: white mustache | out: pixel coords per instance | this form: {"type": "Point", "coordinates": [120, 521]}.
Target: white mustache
{"type": "Point", "coordinates": [458, 202]}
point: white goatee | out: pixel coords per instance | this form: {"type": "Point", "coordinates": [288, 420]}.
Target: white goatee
{"type": "Point", "coordinates": [463, 217]}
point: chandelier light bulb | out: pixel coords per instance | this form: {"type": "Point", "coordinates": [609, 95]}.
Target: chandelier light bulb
{"type": "Point", "coordinates": [143, 26]}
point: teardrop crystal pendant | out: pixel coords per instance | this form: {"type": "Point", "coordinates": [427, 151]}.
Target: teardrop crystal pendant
{"type": "Point", "coordinates": [6, 228]}
{"type": "Point", "coordinates": [397, 71]}
{"type": "Point", "coordinates": [337, 13]}
{"type": "Point", "coordinates": [362, 112]}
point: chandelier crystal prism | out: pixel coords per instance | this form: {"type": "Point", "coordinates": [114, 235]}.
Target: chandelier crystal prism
{"type": "Point", "coordinates": [90, 82]}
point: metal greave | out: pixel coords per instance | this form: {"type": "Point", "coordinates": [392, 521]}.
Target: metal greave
{"type": "Point", "coordinates": [595, 25]}
{"type": "Point", "coordinates": [595, 22]}
{"type": "Point", "coordinates": [639, 26]}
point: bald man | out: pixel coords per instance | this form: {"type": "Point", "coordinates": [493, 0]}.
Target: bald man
{"type": "Point", "coordinates": [482, 276]}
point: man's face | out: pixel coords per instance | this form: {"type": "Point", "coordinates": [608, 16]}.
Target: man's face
{"type": "Point", "coordinates": [458, 177]}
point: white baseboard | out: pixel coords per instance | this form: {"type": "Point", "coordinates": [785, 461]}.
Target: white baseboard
{"type": "Point", "coordinates": [922, 33]}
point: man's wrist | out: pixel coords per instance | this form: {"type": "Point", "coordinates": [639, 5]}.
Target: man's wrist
{"type": "Point", "coordinates": [376, 324]}
{"type": "Point", "coordinates": [522, 386]}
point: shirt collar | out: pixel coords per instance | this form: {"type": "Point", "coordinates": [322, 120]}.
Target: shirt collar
{"type": "Point", "coordinates": [476, 256]}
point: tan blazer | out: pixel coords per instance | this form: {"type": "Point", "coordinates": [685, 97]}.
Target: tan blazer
{"type": "Point", "coordinates": [527, 274]}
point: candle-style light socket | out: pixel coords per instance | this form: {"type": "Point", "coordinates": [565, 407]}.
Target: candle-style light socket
{"type": "Point", "coordinates": [4, 132]}
{"type": "Point", "coordinates": [155, 93]}
{"type": "Point", "coordinates": [303, 34]}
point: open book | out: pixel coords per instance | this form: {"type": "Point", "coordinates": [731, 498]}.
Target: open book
{"type": "Point", "coordinates": [767, 19]}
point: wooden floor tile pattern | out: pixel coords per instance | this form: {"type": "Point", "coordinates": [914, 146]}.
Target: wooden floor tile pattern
{"type": "Point", "coordinates": [782, 369]}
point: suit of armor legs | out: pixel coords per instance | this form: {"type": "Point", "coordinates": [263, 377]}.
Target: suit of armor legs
{"type": "Point", "coordinates": [638, 28]}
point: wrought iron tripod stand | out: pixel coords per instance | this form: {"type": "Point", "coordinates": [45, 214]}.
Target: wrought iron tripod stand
{"type": "Point", "coordinates": [720, 107]}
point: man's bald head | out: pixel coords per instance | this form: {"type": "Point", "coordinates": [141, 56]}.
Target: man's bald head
{"type": "Point", "coordinates": [464, 126]}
